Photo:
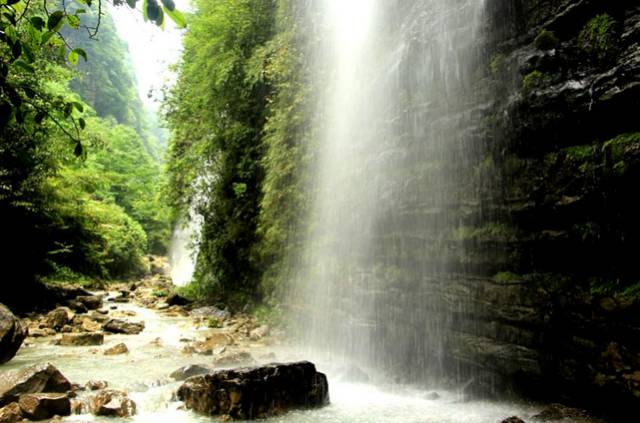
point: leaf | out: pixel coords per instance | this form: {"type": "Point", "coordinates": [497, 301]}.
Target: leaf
{"type": "Point", "coordinates": [78, 150]}
{"type": "Point", "coordinates": [177, 17]}
{"type": "Point", "coordinates": [25, 66]}
{"type": "Point", "coordinates": [16, 49]}
{"type": "Point", "coordinates": [55, 20]}
{"type": "Point", "coordinates": [81, 53]}
{"type": "Point", "coordinates": [46, 37]}
{"type": "Point", "coordinates": [39, 117]}
{"type": "Point", "coordinates": [37, 22]}
{"type": "Point", "coordinates": [169, 4]}
{"type": "Point", "coordinates": [79, 107]}
{"type": "Point", "coordinates": [73, 57]}
{"type": "Point", "coordinates": [73, 21]}
{"type": "Point", "coordinates": [132, 3]}
{"type": "Point", "coordinates": [82, 122]}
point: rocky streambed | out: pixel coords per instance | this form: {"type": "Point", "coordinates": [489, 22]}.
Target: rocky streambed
{"type": "Point", "coordinates": [134, 353]}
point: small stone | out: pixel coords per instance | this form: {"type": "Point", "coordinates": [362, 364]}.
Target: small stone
{"type": "Point", "coordinates": [82, 339]}
{"type": "Point", "coordinates": [110, 402]}
{"type": "Point", "coordinates": [44, 406]}
{"type": "Point", "coordinates": [124, 327]}
{"type": "Point", "coordinates": [11, 413]}
{"type": "Point", "coordinates": [186, 372]}
{"type": "Point", "coordinates": [117, 350]}
{"type": "Point", "coordinates": [96, 385]}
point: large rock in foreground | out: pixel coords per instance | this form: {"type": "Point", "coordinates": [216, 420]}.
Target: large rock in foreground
{"type": "Point", "coordinates": [32, 380]}
{"type": "Point", "coordinates": [11, 334]}
{"type": "Point", "coordinates": [256, 392]}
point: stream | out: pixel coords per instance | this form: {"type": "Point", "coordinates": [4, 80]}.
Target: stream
{"type": "Point", "coordinates": [156, 352]}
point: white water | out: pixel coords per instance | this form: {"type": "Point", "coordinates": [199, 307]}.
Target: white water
{"type": "Point", "coordinates": [144, 373]}
{"type": "Point", "coordinates": [183, 251]}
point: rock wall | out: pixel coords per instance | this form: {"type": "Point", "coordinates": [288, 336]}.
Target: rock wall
{"type": "Point", "coordinates": [553, 311]}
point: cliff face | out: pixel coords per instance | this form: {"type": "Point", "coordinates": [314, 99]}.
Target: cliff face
{"type": "Point", "coordinates": [560, 317]}
{"type": "Point", "coordinates": [491, 233]}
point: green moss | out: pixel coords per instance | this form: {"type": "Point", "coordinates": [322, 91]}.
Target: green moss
{"type": "Point", "coordinates": [497, 64]}
{"type": "Point", "coordinates": [214, 323]}
{"type": "Point", "coordinates": [535, 80]}
{"type": "Point", "coordinates": [507, 277]}
{"type": "Point", "coordinates": [490, 231]}
{"type": "Point", "coordinates": [160, 293]}
{"type": "Point", "coordinates": [268, 314]}
{"type": "Point", "coordinates": [546, 40]}
{"type": "Point", "coordinates": [599, 36]}
{"type": "Point", "coordinates": [580, 152]}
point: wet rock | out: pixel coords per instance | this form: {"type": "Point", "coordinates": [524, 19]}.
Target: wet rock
{"type": "Point", "coordinates": [233, 358]}
{"type": "Point", "coordinates": [12, 334]}
{"type": "Point", "coordinates": [124, 327]}
{"type": "Point", "coordinates": [81, 339]}
{"type": "Point", "coordinates": [556, 412]}
{"type": "Point", "coordinates": [89, 325]}
{"type": "Point", "coordinates": [513, 419]}
{"type": "Point", "coordinates": [91, 302]}
{"type": "Point", "coordinates": [256, 392]}
{"type": "Point", "coordinates": [117, 350]}
{"type": "Point", "coordinates": [111, 402]}
{"type": "Point", "coordinates": [191, 370]}
{"type": "Point", "coordinates": [211, 311]}
{"type": "Point", "coordinates": [98, 316]}
{"type": "Point", "coordinates": [31, 380]}
{"type": "Point", "coordinates": [177, 300]}
{"type": "Point", "coordinates": [77, 306]}
{"type": "Point", "coordinates": [11, 413]}
{"type": "Point", "coordinates": [66, 329]}
{"type": "Point", "coordinates": [259, 332]}
{"type": "Point", "coordinates": [213, 341]}
{"type": "Point", "coordinates": [79, 406]}
{"type": "Point", "coordinates": [435, 396]}
{"type": "Point", "coordinates": [96, 385]}
{"type": "Point", "coordinates": [58, 318]}
{"type": "Point", "coordinates": [43, 406]}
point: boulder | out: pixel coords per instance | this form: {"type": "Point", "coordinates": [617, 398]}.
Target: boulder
{"type": "Point", "coordinates": [122, 326]}
{"type": "Point", "coordinates": [43, 406]}
{"type": "Point", "coordinates": [97, 316]}
{"type": "Point", "coordinates": [177, 300]}
{"type": "Point", "coordinates": [213, 341]}
{"type": "Point", "coordinates": [256, 392]}
{"type": "Point", "coordinates": [259, 333]}
{"type": "Point", "coordinates": [77, 306]}
{"type": "Point", "coordinates": [91, 302]}
{"type": "Point", "coordinates": [11, 413]}
{"type": "Point", "coordinates": [32, 380]}
{"type": "Point", "coordinates": [211, 311]}
{"type": "Point", "coordinates": [89, 325]}
{"type": "Point", "coordinates": [191, 370]}
{"type": "Point", "coordinates": [111, 402]}
{"type": "Point", "coordinates": [117, 350]}
{"type": "Point", "coordinates": [58, 318]}
{"type": "Point", "coordinates": [12, 334]}
{"type": "Point", "coordinates": [81, 339]}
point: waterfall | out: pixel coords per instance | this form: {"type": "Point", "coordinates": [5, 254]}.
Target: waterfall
{"type": "Point", "coordinates": [396, 182]}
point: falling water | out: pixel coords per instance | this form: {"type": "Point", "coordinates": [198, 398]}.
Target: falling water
{"type": "Point", "coordinates": [396, 182]}
{"type": "Point", "coordinates": [182, 252]}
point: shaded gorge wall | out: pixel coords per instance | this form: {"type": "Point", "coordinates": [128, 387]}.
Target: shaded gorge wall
{"type": "Point", "coordinates": [474, 220]}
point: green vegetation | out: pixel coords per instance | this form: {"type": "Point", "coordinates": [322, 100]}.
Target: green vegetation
{"type": "Point", "coordinates": [599, 37]}
{"type": "Point", "coordinates": [546, 40]}
{"type": "Point", "coordinates": [535, 80]}
{"type": "Point", "coordinates": [492, 231]}
{"type": "Point", "coordinates": [240, 117]}
{"type": "Point", "coordinates": [508, 277]}
{"type": "Point", "coordinates": [78, 174]}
